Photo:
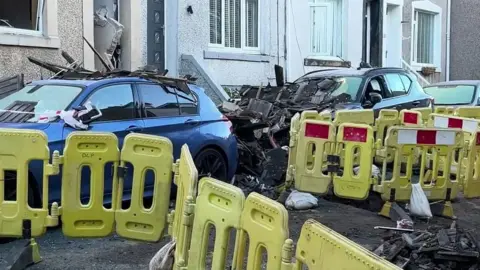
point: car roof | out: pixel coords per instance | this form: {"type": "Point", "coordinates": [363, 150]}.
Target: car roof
{"type": "Point", "coordinates": [89, 82]}
{"type": "Point", "coordinates": [349, 72]}
{"type": "Point", "coordinates": [460, 82]}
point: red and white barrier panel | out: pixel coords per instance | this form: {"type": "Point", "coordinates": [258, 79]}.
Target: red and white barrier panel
{"type": "Point", "coordinates": [431, 137]}
{"type": "Point", "coordinates": [450, 122]}
{"type": "Point", "coordinates": [412, 118]}
{"type": "Point", "coordinates": [319, 131]}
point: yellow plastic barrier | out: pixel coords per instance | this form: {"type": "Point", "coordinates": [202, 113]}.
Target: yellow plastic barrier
{"type": "Point", "coordinates": [444, 110]}
{"type": "Point", "coordinates": [145, 152]}
{"type": "Point", "coordinates": [471, 184]}
{"type": "Point", "coordinates": [315, 142]}
{"type": "Point", "coordinates": [18, 148]}
{"type": "Point", "coordinates": [426, 111]}
{"type": "Point", "coordinates": [319, 247]}
{"type": "Point", "coordinates": [355, 116]}
{"type": "Point", "coordinates": [435, 181]}
{"type": "Point", "coordinates": [93, 150]}
{"type": "Point", "coordinates": [218, 205]}
{"type": "Point", "coordinates": [468, 112]}
{"type": "Point", "coordinates": [186, 177]}
{"type": "Point", "coordinates": [386, 119]}
{"type": "Point", "coordinates": [351, 139]}
{"type": "Point", "coordinates": [292, 150]}
{"type": "Point", "coordinates": [265, 223]}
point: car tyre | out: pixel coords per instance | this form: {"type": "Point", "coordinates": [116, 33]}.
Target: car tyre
{"type": "Point", "coordinates": [211, 163]}
{"type": "Point", "coordinates": [10, 194]}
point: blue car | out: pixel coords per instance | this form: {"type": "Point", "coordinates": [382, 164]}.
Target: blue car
{"type": "Point", "coordinates": [128, 104]}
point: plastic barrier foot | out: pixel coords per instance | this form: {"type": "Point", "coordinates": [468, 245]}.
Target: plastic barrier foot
{"type": "Point", "coordinates": [25, 255]}
{"type": "Point", "coordinates": [444, 209]}
{"type": "Point", "coordinates": [393, 211]}
{"type": "Point", "coordinates": [386, 208]}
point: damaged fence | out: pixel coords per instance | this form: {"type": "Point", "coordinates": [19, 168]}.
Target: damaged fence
{"type": "Point", "coordinates": [258, 219]}
{"type": "Point", "coordinates": [440, 154]}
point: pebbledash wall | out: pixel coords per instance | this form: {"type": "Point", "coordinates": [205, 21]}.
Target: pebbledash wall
{"type": "Point", "coordinates": [62, 21]}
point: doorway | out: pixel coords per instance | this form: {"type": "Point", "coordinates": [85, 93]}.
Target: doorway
{"type": "Point", "coordinates": [156, 34]}
{"type": "Point", "coordinates": [392, 36]}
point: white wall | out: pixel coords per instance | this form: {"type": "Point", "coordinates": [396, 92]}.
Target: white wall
{"type": "Point", "coordinates": [193, 38]}
{"type": "Point", "coordinates": [298, 36]}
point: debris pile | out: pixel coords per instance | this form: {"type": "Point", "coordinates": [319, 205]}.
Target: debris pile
{"type": "Point", "coordinates": [435, 248]}
{"type": "Point", "coordinates": [261, 124]}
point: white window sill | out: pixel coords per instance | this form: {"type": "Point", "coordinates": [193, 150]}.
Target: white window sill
{"type": "Point", "coordinates": [27, 38]}
{"type": "Point", "coordinates": [418, 67]}
{"type": "Point", "coordinates": [243, 55]}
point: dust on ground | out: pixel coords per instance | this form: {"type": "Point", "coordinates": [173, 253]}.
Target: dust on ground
{"type": "Point", "coordinates": [113, 252]}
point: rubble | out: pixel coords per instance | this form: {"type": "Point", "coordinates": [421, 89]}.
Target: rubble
{"type": "Point", "coordinates": [435, 248]}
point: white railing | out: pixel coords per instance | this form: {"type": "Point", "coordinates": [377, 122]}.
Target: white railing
{"type": "Point", "coordinates": [421, 79]}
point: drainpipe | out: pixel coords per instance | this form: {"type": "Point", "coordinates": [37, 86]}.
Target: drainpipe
{"type": "Point", "coordinates": [285, 41]}
{"type": "Point", "coordinates": [364, 33]}
{"type": "Point", "coordinates": [447, 64]}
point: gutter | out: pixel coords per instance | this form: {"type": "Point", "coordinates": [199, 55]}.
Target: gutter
{"type": "Point", "coordinates": [447, 62]}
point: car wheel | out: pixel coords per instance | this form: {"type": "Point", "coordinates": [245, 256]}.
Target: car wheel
{"type": "Point", "coordinates": [11, 195]}
{"type": "Point", "coordinates": [211, 163]}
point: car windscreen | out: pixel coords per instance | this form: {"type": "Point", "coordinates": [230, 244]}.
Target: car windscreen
{"type": "Point", "coordinates": [325, 89]}
{"type": "Point", "coordinates": [451, 94]}
{"type": "Point", "coordinates": [33, 101]}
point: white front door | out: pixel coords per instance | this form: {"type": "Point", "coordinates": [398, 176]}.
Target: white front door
{"type": "Point", "coordinates": [392, 36]}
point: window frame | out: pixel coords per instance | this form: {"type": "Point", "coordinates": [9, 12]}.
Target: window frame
{"type": "Point", "coordinates": [142, 107]}
{"type": "Point", "coordinates": [45, 37]}
{"type": "Point", "coordinates": [135, 101]}
{"type": "Point", "coordinates": [428, 7]}
{"type": "Point", "coordinates": [243, 25]}
{"type": "Point", "coordinates": [338, 24]}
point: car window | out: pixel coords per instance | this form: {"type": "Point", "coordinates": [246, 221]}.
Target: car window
{"type": "Point", "coordinates": [115, 102]}
{"type": "Point", "coordinates": [407, 82]}
{"type": "Point", "coordinates": [186, 102]}
{"type": "Point", "coordinates": [376, 85]}
{"type": "Point", "coordinates": [158, 103]}
{"type": "Point", "coordinates": [395, 85]}
{"type": "Point", "coordinates": [451, 94]}
{"type": "Point", "coordinates": [36, 100]}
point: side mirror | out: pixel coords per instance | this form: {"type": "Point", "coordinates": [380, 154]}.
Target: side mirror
{"type": "Point", "coordinates": [374, 97]}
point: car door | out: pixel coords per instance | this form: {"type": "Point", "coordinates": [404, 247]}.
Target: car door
{"type": "Point", "coordinates": [169, 113]}
{"type": "Point", "coordinates": [120, 115]}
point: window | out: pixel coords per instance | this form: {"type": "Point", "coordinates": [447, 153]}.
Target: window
{"type": "Point", "coordinates": [29, 23]}
{"type": "Point", "coordinates": [425, 26]}
{"type": "Point", "coordinates": [398, 84]}
{"type": "Point", "coordinates": [234, 23]}
{"type": "Point", "coordinates": [426, 35]}
{"type": "Point", "coordinates": [115, 102]}
{"type": "Point", "coordinates": [158, 103]}
{"type": "Point", "coordinates": [186, 102]}
{"type": "Point", "coordinates": [25, 14]}
{"type": "Point", "coordinates": [326, 27]}
{"type": "Point", "coordinates": [452, 94]}
{"type": "Point", "coordinates": [40, 99]}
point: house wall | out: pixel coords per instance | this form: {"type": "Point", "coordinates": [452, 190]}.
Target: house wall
{"type": "Point", "coordinates": [298, 36]}
{"type": "Point", "coordinates": [226, 69]}
{"type": "Point", "coordinates": [465, 36]}
{"type": "Point", "coordinates": [13, 59]}
{"type": "Point", "coordinates": [407, 37]}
